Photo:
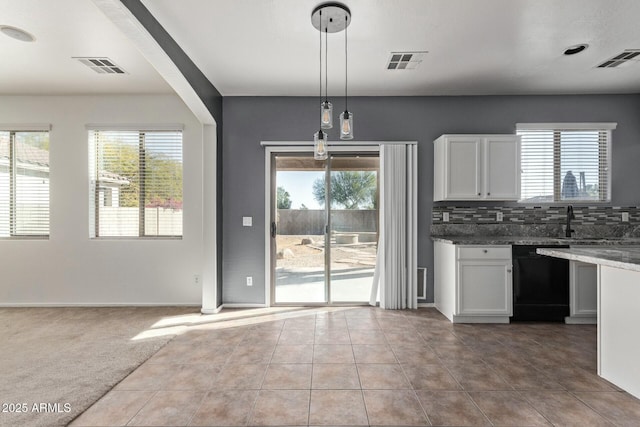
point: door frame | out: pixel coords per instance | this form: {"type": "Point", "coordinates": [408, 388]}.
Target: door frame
{"type": "Point", "coordinates": [294, 147]}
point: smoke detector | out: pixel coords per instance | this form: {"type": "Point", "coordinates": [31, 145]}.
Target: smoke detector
{"type": "Point", "coordinates": [405, 60]}
{"type": "Point", "coordinates": [101, 65]}
{"type": "Point", "coordinates": [621, 58]}
{"type": "Point", "coordinates": [16, 33]}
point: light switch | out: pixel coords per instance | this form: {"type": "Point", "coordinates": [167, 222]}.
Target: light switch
{"type": "Point", "coordinates": [247, 221]}
{"type": "Point", "coordinates": [445, 216]}
{"type": "Point", "coordinates": [625, 216]}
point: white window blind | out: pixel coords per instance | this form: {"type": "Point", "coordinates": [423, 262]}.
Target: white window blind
{"type": "Point", "coordinates": [565, 163]}
{"type": "Point", "coordinates": [24, 183]}
{"type": "Point", "coordinates": [136, 183]}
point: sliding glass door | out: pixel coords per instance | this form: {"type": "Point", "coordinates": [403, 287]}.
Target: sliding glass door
{"type": "Point", "coordinates": [353, 223]}
{"type": "Point", "coordinates": [324, 228]}
{"type": "Point", "coordinates": [298, 230]}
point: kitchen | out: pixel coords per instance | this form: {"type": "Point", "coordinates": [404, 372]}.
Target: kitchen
{"type": "Point", "coordinates": [522, 262]}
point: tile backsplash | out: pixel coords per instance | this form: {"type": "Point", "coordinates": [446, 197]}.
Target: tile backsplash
{"type": "Point", "coordinates": [536, 215]}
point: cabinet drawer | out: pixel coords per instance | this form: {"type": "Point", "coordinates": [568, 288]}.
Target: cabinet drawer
{"type": "Point", "coordinates": [484, 252]}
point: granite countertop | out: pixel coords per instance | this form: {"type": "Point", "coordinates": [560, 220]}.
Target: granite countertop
{"type": "Point", "coordinates": [537, 240]}
{"type": "Point", "coordinates": [625, 258]}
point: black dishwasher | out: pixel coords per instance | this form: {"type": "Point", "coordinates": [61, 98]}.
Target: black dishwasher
{"type": "Point", "coordinates": [540, 285]}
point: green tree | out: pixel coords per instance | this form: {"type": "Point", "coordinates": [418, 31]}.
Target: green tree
{"type": "Point", "coordinates": [123, 160]}
{"type": "Point", "coordinates": [283, 198]}
{"type": "Point", "coordinates": [349, 189]}
{"type": "Point", "coordinates": [35, 139]}
{"type": "Point", "coordinates": [163, 182]}
{"type": "Point", "coordinates": [162, 178]}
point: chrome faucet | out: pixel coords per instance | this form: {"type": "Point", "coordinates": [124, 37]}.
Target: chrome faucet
{"type": "Point", "coordinates": [570, 216]}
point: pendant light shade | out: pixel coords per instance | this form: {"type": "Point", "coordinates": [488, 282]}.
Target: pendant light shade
{"type": "Point", "coordinates": [346, 125]}
{"type": "Point", "coordinates": [326, 115]}
{"type": "Point", "coordinates": [320, 145]}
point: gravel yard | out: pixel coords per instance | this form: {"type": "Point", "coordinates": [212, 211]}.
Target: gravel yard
{"type": "Point", "coordinates": [312, 255]}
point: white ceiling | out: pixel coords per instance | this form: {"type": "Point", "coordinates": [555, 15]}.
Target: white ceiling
{"type": "Point", "coordinates": [269, 47]}
{"type": "Point", "coordinates": [65, 29]}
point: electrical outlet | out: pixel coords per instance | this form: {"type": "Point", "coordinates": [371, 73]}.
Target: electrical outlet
{"type": "Point", "coordinates": [445, 216]}
{"type": "Point", "coordinates": [249, 281]}
{"type": "Point", "coordinates": [247, 221]}
{"type": "Point", "coordinates": [625, 216]}
{"type": "Point", "coordinates": [196, 279]}
{"type": "Point", "coordinates": [499, 216]}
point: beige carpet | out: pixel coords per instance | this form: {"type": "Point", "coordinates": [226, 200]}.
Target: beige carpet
{"type": "Point", "coordinates": [72, 356]}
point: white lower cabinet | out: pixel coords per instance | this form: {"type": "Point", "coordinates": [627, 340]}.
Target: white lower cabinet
{"type": "Point", "coordinates": [583, 293]}
{"type": "Point", "coordinates": [473, 284]}
{"type": "Point", "coordinates": [484, 288]}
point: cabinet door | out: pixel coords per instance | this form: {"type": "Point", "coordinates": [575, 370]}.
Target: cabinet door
{"type": "Point", "coordinates": [462, 166]}
{"type": "Point", "coordinates": [583, 289]}
{"type": "Point", "coordinates": [502, 167]}
{"type": "Point", "coordinates": [484, 288]}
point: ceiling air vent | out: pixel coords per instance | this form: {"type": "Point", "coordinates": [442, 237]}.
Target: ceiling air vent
{"type": "Point", "coordinates": [405, 60]}
{"type": "Point", "coordinates": [102, 65]}
{"type": "Point", "coordinates": [622, 58]}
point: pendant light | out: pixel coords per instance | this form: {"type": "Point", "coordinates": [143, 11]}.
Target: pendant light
{"type": "Point", "coordinates": [330, 17]}
{"type": "Point", "coordinates": [320, 145]}
{"type": "Point", "coordinates": [346, 118]}
{"type": "Point", "coordinates": [320, 137]}
{"type": "Point", "coordinates": [326, 109]}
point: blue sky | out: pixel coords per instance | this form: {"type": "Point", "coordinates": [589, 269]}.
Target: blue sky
{"type": "Point", "coordinates": [299, 184]}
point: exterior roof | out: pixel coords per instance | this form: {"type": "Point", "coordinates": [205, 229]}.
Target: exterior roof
{"type": "Point", "coordinates": [30, 155]}
{"type": "Point", "coordinates": [26, 153]}
{"type": "Point", "coordinates": [114, 178]}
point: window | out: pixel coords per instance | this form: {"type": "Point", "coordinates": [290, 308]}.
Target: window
{"type": "Point", "coordinates": [136, 183]}
{"type": "Point", "coordinates": [24, 182]}
{"type": "Point", "coordinates": [567, 162]}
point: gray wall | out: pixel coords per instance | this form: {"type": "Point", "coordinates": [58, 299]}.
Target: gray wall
{"type": "Point", "coordinates": [249, 120]}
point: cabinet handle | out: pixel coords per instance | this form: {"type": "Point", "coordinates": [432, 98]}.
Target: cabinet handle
{"type": "Point", "coordinates": [488, 194]}
{"type": "Point", "coordinates": [508, 270]}
{"type": "Point", "coordinates": [479, 194]}
{"type": "Point", "coordinates": [485, 251]}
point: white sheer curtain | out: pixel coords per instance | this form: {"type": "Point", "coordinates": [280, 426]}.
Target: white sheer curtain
{"type": "Point", "coordinates": [396, 273]}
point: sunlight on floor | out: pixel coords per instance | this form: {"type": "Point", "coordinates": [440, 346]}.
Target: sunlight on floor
{"type": "Point", "coordinates": [228, 318]}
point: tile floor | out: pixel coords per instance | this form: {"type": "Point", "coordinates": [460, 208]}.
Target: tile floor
{"type": "Point", "coordinates": [366, 366]}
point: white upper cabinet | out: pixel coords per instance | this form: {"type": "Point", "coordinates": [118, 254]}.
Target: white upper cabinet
{"type": "Point", "coordinates": [463, 168]}
{"type": "Point", "coordinates": [477, 167]}
{"type": "Point", "coordinates": [502, 167]}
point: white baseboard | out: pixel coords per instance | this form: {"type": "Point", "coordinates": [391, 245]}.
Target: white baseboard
{"type": "Point", "coordinates": [426, 305]}
{"type": "Point", "coordinates": [241, 305]}
{"type": "Point", "coordinates": [212, 310]}
{"type": "Point", "coordinates": [93, 305]}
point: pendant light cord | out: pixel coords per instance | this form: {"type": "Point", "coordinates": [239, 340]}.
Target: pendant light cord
{"type": "Point", "coordinates": [326, 63]}
{"type": "Point", "coordinates": [320, 57]}
{"type": "Point", "coordinates": [346, 68]}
